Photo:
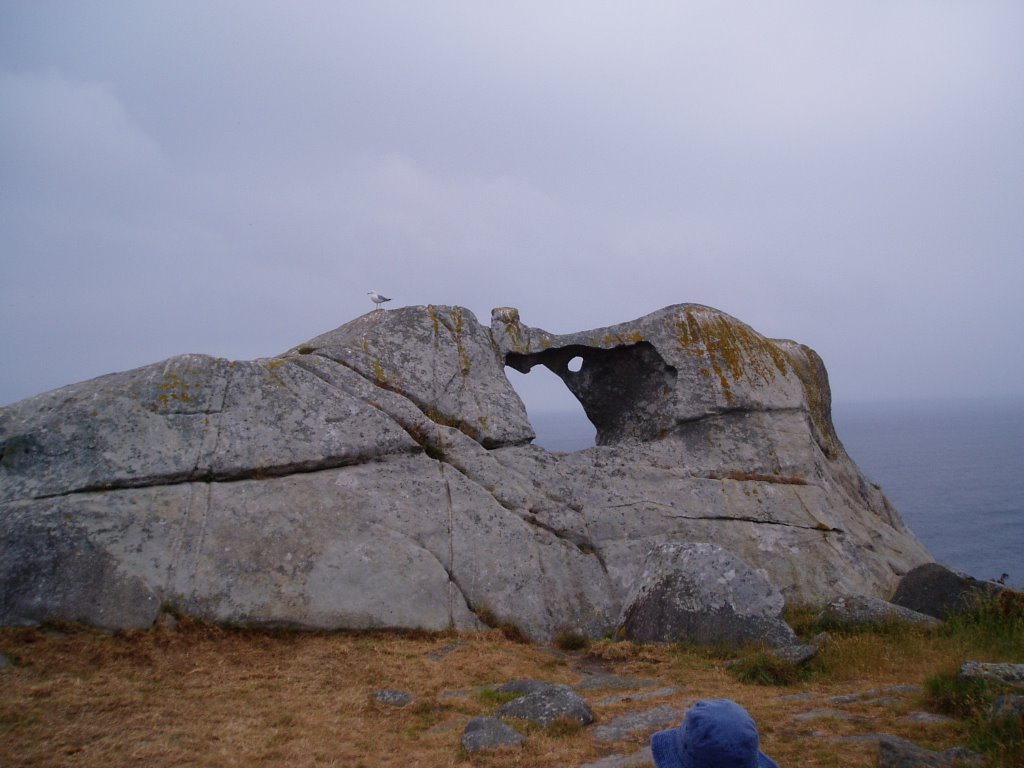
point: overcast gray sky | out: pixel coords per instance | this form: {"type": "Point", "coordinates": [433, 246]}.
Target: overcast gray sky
{"type": "Point", "coordinates": [232, 177]}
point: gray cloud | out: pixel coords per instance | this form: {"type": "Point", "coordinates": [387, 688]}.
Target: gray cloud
{"type": "Point", "coordinates": [232, 179]}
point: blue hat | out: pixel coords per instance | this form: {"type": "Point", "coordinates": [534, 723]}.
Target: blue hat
{"type": "Point", "coordinates": [715, 734]}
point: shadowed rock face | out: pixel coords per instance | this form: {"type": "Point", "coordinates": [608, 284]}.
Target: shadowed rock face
{"type": "Point", "coordinates": [381, 475]}
{"type": "Point", "coordinates": [703, 594]}
{"type": "Point", "coordinates": [624, 390]}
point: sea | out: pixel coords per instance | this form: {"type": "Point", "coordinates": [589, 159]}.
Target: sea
{"type": "Point", "coordinates": [953, 469]}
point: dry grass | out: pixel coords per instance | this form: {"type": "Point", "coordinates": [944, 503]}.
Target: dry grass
{"type": "Point", "coordinates": [203, 696]}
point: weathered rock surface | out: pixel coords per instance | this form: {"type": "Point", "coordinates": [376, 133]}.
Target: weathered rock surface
{"type": "Point", "coordinates": [939, 591]}
{"type": "Point", "coordinates": [489, 733]}
{"type": "Point", "coordinates": [861, 610]}
{"type": "Point", "coordinates": [894, 752]}
{"type": "Point", "coordinates": [380, 475]}
{"type": "Point", "coordinates": [393, 698]}
{"type": "Point", "coordinates": [997, 672]}
{"type": "Point", "coordinates": [796, 654]}
{"type": "Point", "coordinates": [703, 594]}
{"type": "Point", "coordinates": [546, 704]}
{"type": "Point", "coordinates": [650, 720]}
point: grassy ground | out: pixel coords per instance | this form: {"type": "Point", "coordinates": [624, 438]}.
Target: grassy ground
{"type": "Point", "coordinates": [203, 696]}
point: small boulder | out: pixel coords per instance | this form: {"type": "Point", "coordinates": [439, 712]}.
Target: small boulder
{"type": "Point", "coordinates": [894, 752]}
{"type": "Point", "coordinates": [861, 610]}
{"type": "Point", "coordinates": [939, 591]}
{"type": "Point", "coordinates": [392, 698]}
{"type": "Point", "coordinates": [548, 704]}
{"type": "Point", "coordinates": [489, 733]}
{"type": "Point", "coordinates": [706, 595]}
{"type": "Point", "coordinates": [796, 654]}
{"type": "Point", "coordinates": [1005, 673]}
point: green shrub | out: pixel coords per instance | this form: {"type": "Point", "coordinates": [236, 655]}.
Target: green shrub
{"type": "Point", "coordinates": [992, 624]}
{"type": "Point", "coordinates": [952, 695]}
{"type": "Point", "coordinates": [1001, 739]}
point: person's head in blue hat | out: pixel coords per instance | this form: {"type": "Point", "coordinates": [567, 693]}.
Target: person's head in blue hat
{"type": "Point", "coordinates": [715, 734]}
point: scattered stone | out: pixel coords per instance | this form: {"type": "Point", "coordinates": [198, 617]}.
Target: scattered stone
{"type": "Point", "coordinates": [489, 733]}
{"type": "Point", "coordinates": [859, 610]}
{"type": "Point", "coordinates": [626, 725]}
{"type": "Point", "coordinates": [703, 594]}
{"type": "Point", "coordinates": [547, 705]}
{"type": "Point", "coordinates": [887, 701]}
{"type": "Point", "coordinates": [849, 698]}
{"type": "Point", "coordinates": [392, 698]}
{"type": "Point", "coordinates": [796, 696]}
{"type": "Point", "coordinates": [1010, 674]}
{"type": "Point", "coordinates": [823, 713]}
{"type": "Point", "coordinates": [857, 738]}
{"type": "Point", "coordinates": [639, 759]}
{"type": "Point", "coordinates": [5, 661]}
{"type": "Point", "coordinates": [875, 694]}
{"type": "Point", "coordinates": [644, 696]}
{"type": "Point", "coordinates": [597, 682]}
{"type": "Point", "coordinates": [440, 653]}
{"type": "Point", "coordinates": [796, 654]}
{"type": "Point", "coordinates": [908, 689]}
{"type": "Point", "coordinates": [1008, 705]}
{"type": "Point", "coordinates": [925, 718]}
{"type": "Point", "coordinates": [938, 591]}
{"type": "Point", "coordinates": [894, 752]}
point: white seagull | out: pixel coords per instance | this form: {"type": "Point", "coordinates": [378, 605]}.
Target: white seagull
{"type": "Point", "coordinates": [376, 298]}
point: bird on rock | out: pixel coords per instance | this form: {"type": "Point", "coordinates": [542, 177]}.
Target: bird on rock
{"type": "Point", "coordinates": [377, 298]}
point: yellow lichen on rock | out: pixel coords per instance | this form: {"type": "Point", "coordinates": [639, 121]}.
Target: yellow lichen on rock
{"type": "Point", "coordinates": [733, 350]}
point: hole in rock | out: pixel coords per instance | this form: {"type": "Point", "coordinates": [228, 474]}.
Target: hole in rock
{"type": "Point", "coordinates": [557, 416]}
{"type": "Point", "coordinates": [575, 364]}
{"type": "Point", "coordinates": [626, 391]}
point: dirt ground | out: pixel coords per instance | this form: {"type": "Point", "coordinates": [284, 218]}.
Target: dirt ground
{"type": "Point", "coordinates": [196, 695]}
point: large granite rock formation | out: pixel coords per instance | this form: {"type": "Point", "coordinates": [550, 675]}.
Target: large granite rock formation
{"type": "Point", "coordinates": [381, 475]}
